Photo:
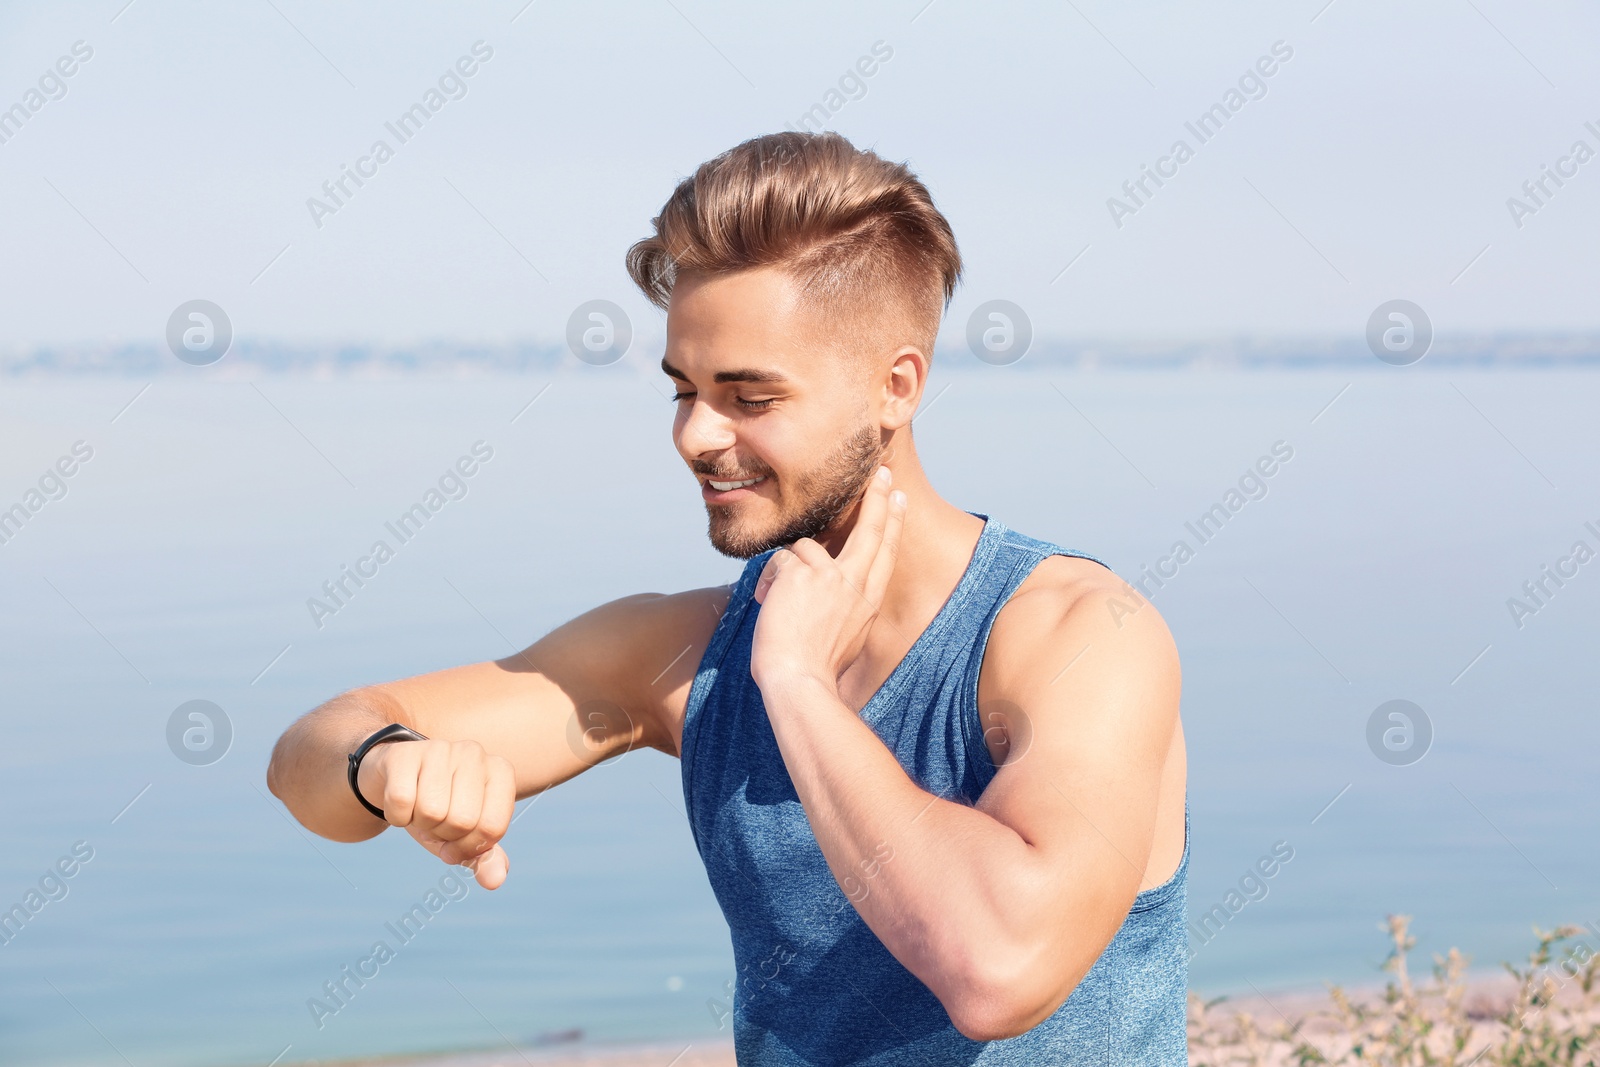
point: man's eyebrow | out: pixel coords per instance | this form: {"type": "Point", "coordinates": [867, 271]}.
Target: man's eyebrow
{"type": "Point", "coordinates": [748, 375]}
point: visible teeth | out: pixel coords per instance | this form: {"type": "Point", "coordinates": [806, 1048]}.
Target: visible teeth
{"type": "Point", "coordinates": [723, 487]}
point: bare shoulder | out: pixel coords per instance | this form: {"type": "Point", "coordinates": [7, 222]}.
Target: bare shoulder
{"type": "Point", "coordinates": [664, 635]}
{"type": "Point", "coordinates": [1071, 609]}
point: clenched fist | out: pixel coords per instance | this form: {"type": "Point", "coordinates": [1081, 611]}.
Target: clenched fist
{"type": "Point", "coordinates": [452, 796]}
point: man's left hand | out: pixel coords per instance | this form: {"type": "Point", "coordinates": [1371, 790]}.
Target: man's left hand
{"type": "Point", "coordinates": [816, 609]}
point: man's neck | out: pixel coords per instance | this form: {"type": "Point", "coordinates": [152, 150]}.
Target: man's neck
{"type": "Point", "coordinates": [936, 544]}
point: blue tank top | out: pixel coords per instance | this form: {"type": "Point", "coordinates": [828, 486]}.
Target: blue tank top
{"type": "Point", "coordinates": [814, 985]}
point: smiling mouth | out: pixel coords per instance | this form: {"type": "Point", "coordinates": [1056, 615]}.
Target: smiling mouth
{"type": "Point", "coordinates": [723, 487]}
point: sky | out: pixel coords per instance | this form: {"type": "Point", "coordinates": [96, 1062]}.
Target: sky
{"type": "Point", "coordinates": [1376, 162]}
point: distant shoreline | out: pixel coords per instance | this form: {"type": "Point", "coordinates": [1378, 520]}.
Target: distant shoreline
{"type": "Point", "coordinates": [249, 357]}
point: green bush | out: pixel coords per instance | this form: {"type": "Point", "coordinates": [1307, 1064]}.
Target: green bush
{"type": "Point", "coordinates": [1548, 1020]}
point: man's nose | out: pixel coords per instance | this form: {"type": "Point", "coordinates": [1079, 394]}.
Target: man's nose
{"type": "Point", "coordinates": [703, 430]}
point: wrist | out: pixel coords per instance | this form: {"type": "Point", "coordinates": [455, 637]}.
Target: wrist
{"type": "Point", "coordinates": [788, 684]}
{"type": "Point", "coordinates": [371, 776]}
{"type": "Point", "coordinates": [366, 756]}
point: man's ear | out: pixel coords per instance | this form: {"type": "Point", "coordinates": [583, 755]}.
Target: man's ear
{"type": "Point", "coordinates": [908, 376]}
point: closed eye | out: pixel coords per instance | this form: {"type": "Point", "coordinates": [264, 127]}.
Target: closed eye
{"type": "Point", "coordinates": [754, 405]}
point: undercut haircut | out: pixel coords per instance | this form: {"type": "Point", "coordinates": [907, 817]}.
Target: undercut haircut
{"type": "Point", "coordinates": [859, 234]}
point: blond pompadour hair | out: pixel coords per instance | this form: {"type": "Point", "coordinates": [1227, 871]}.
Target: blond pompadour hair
{"type": "Point", "coordinates": [858, 234]}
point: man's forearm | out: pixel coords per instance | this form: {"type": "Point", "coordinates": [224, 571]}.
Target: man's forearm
{"type": "Point", "coordinates": [308, 765]}
{"type": "Point", "coordinates": [953, 895]}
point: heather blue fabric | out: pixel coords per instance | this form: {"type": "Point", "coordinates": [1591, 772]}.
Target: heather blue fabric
{"type": "Point", "coordinates": [814, 984]}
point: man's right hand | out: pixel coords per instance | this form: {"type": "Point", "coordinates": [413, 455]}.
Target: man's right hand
{"type": "Point", "coordinates": [529, 717]}
{"type": "Point", "coordinates": [454, 797]}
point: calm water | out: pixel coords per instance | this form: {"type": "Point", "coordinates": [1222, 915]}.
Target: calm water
{"type": "Point", "coordinates": [1377, 566]}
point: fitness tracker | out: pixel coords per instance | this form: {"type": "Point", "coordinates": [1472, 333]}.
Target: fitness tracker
{"type": "Point", "coordinates": [393, 732]}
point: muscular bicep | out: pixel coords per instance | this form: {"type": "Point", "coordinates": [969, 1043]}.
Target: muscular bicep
{"type": "Point", "coordinates": [591, 689]}
{"type": "Point", "coordinates": [1087, 701]}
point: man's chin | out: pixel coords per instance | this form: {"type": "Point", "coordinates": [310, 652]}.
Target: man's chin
{"type": "Point", "coordinates": [741, 538]}
{"type": "Point", "coordinates": [745, 540]}
{"type": "Point", "coordinates": [734, 539]}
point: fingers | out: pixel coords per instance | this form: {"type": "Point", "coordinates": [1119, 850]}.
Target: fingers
{"type": "Point", "coordinates": [455, 798]}
{"type": "Point", "coordinates": [468, 784]}
{"type": "Point", "coordinates": [868, 557]}
{"type": "Point", "coordinates": [491, 868]}
{"type": "Point", "coordinates": [431, 791]}
{"type": "Point", "coordinates": [861, 549]}
{"type": "Point", "coordinates": [888, 549]}
{"type": "Point", "coordinates": [496, 801]}
{"type": "Point", "coordinates": [769, 573]}
{"type": "Point", "coordinates": [874, 544]}
{"type": "Point", "coordinates": [400, 764]}
{"type": "Point", "coordinates": [866, 537]}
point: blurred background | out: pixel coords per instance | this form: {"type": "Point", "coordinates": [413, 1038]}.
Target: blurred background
{"type": "Point", "coordinates": [1374, 254]}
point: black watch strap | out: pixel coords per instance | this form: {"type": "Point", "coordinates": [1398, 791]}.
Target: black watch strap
{"type": "Point", "coordinates": [393, 732]}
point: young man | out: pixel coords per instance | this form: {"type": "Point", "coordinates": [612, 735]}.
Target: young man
{"type": "Point", "coordinates": [934, 766]}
